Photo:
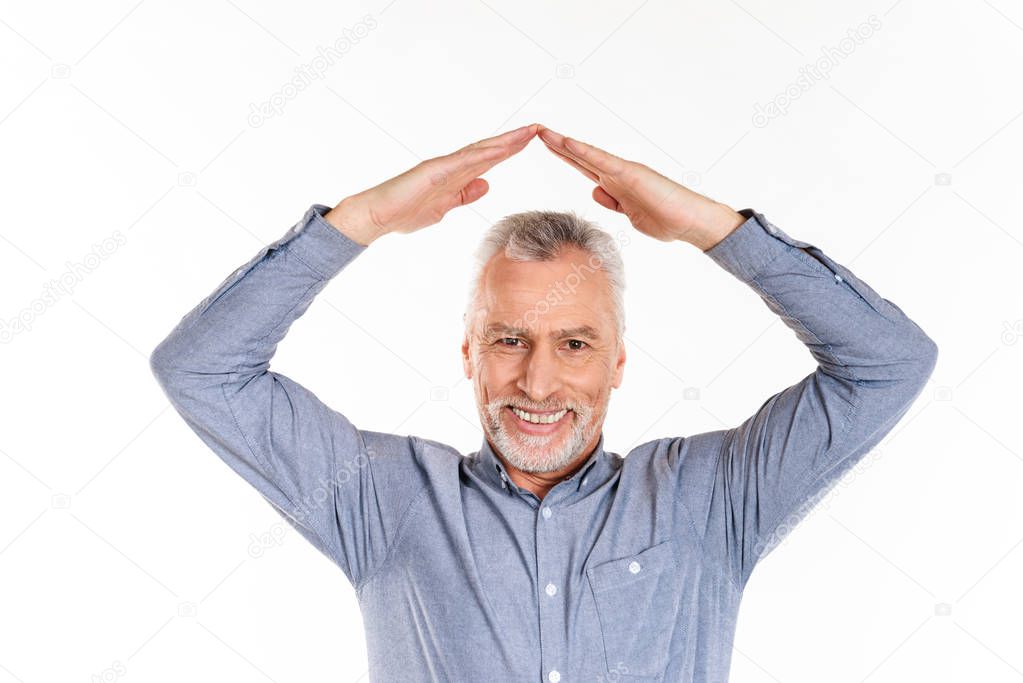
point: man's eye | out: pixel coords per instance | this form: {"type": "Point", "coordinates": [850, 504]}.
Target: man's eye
{"type": "Point", "coordinates": [515, 342]}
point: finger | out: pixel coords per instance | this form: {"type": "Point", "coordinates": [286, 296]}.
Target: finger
{"type": "Point", "coordinates": [482, 160]}
{"type": "Point", "coordinates": [511, 137]}
{"type": "Point", "coordinates": [601, 196]}
{"type": "Point", "coordinates": [470, 161]}
{"type": "Point", "coordinates": [556, 143]}
{"type": "Point", "coordinates": [574, 164]}
{"type": "Point", "coordinates": [476, 161]}
{"type": "Point", "coordinates": [458, 176]}
{"type": "Point", "coordinates": [595, 156]}
{"type": "Point", "coordinates": [587, 155]}
{"type": "Point", "coordinates": [554, 139]}
{"type": "Point", "coordinates": [459, 168]}
{"type": "Point", "coordinates": [563, 152]}
{"type": "Point", "coordinates": [478, 152]}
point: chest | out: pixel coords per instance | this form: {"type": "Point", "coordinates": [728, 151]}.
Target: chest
{"type": "Point", "coordinates": [607, 584]}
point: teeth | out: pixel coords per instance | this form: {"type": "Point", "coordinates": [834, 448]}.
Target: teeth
{"type": "Point", "coordinates": [540, 419]}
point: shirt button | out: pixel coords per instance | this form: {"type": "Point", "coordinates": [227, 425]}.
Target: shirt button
{"type": "Point", "coordinates": [584, 480]}
{"type": "Point", "coordinates": [546, 513]}
{"type": "Point", "coordinates": [838, 277]}
{"type": "Point", "coordinates": [551, 589]}
{"type": "Point", "coordinates": [634, 567]}
{"type": "Point", "coordinates": [554, 676]}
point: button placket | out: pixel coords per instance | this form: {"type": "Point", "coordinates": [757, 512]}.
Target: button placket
{"type": "Point", "coordinates": [550, 588]}
{"type": "Point", "coordinates": [552, 645]}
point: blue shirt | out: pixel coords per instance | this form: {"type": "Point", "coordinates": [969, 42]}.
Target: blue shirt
{"type": "Point", "coordinates": [630, 570]}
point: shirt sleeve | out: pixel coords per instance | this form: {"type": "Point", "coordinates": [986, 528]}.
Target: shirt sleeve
{"type": "Point", "coordinates": [344, 489]}
{"type": "Point", "coordinates": [873, 362]}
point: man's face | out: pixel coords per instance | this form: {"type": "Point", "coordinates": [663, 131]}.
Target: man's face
{"type": "Point", "coordinates": [544, 341]}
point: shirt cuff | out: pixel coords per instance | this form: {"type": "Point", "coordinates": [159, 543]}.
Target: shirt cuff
{"type": "Point", "coordinates": [748, 249]}
{"type": "Point", "coordinates": [320, 245]}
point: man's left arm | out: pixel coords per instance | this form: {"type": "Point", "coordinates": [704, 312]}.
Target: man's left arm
{"type": "Point", "coordinates": [873, 362]}
{"type": "Point", "coordinates": [742, 486]}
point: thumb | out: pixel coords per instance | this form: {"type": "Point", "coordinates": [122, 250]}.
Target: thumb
{"type": "Point", "coordinates": [601, 196]}
{"type": "Point", "coordinates": [473, 191]}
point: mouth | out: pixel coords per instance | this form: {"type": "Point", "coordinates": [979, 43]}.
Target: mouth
{"type": "Point", "coordinates": [539, 423]}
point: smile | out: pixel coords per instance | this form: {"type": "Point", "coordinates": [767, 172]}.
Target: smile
{"type": "Point", "coordinates": [539, 423]}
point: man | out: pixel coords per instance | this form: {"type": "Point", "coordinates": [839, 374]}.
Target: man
{"type": "Point", "coordinates": [543, 556]}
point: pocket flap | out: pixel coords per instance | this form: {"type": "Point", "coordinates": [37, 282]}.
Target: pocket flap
{"type": "Point", "coordinates": [625, 570]}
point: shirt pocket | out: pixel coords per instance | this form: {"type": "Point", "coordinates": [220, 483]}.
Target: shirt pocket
{"type": "Point", "coordinates": [637, 600]}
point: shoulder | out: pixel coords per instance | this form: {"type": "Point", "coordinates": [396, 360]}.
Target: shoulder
{"type": "Point", "coordinates": [689, 461]}
{"type": "Point", "coordinates": [400, 449]}
{"type": "Point", "coordinates": [438, 451]}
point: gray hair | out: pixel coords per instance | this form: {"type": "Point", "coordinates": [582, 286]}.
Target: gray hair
{"type": "Point", "coordinates": [540, 236]}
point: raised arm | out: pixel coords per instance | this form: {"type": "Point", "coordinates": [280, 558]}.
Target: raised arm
{"type": "Point", "coordinates": [344, 489]}
{"type": "Point", "coordinates": [744, 487]}
{"type": "Point", "coordinates": [873, 362]}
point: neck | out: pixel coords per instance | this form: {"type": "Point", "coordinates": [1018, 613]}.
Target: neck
{"type": "Point", "coordinates": [540, 483]}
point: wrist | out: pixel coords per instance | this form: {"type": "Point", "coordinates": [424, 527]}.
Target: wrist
{"type": "Point", "coordinates": [352, 219]}
{"type": "Point", "coordinates": [719, 222]}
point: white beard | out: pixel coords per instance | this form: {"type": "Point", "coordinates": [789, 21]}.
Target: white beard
{"type": "Point", "coordinates": [536, 452]}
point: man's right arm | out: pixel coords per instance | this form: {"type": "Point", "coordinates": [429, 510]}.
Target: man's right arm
{"type": "Point", "coordinates": [346, 490]}
{"type": "Point", "coordinates": [327, 478]}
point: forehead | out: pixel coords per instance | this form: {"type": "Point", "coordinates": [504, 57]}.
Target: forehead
{"type": "Point", "coordinates": [569, 292]}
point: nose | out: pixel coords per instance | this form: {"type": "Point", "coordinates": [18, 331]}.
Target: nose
{"type": "Point", "coordinates": [541, 376]}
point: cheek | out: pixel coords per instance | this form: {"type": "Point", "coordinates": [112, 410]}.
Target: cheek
{"type": "Point", "coordinates": [597, 369]}
{"type": "Point", "coordinates": [599, 378]}
{"type": "Point", "coordinates": [493, 373]}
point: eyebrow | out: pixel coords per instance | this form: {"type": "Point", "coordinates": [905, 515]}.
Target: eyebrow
{"type": "Point", "coordinates": [587, 331]}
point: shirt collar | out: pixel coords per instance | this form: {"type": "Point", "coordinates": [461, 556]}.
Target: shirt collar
{"type": "Point", "coordinates": [591, 475]}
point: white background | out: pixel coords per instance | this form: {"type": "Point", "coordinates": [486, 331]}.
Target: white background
{"type": "Point", "coordinates": [126, 546]}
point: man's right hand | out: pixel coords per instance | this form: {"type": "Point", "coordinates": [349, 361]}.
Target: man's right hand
{"type": "Point", "coordinates": [423, 194]}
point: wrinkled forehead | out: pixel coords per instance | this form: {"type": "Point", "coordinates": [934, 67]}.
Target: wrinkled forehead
{"type": "Point", "coordinates": [568, 293]}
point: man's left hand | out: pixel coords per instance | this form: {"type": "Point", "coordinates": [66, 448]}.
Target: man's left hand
{"type": "Point", "coordinates": [657, 206]}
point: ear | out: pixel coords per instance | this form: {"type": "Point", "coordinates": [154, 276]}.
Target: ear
{"type": "Point", "coordinates": [619, 365]}
{"type": "Point", "coordinates": [466, 361]}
